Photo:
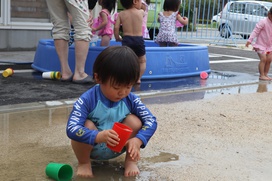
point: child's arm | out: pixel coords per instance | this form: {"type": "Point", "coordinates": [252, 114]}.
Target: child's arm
{"type": "Point", "coordinates": [182, 20]}
{"type": "Point", "coordinates": [75, 128]}
{"type": "Point", "coordinates": [149, 121]}
{"type": "Point", "coordinates": [256, 31]}
{"type": "Point", "coordinates": [149, 126]}
{"type": "Point", "coordinates": [116, 28]}
{"type": "Point", "coordinates": [248, 43]}
{"type": "Point", "coordinates": [104, 22]}
{"type": "Point", "coordinates": [158, 17]}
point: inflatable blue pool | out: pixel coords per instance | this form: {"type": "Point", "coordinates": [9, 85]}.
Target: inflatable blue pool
{"type": "Point", "coordinates": [162, 62]}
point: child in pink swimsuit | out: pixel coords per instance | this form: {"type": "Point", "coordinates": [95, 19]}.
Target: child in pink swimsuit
{"type": "Point", "coordinates": [103, 23]}
{"type": "Point", "coordinates": [263, 44]}
{"type": "Point", "coordinates": [144, 7]}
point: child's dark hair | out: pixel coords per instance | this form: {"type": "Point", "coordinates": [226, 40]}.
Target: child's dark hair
{"type": "Point", "coordinates": [119, 64]}
{"type": "Point", "coordinates": [147, 2]}
{"type": "Point", "coordinates": [127, 3]}
{"type": "Point", "coordinates": [171, 5]}
{"type": "Point", "coordinates": [108, 4]}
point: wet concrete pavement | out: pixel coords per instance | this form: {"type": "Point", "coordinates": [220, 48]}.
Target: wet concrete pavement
{"type": "Point", "coordinates": [27, 86]}
{"type": "Point", "coordinates": [34, 111]}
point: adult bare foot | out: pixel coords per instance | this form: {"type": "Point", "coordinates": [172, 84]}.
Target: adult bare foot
{"type": "Point", "coordinates": [84, 170]}
{"type": "Point", "coordinates": [131, 168]}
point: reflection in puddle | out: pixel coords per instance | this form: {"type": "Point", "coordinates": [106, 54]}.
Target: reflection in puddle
{"type": "Point", "coordinates": [262, 87]}
{"type": "Point", "coordinates": [29, 140]}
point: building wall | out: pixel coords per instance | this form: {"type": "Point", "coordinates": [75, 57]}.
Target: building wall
{"type": "Point", "coordinates": [16, 39]}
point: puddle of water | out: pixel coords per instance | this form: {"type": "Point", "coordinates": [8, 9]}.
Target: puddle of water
{"type": "Point", "coordinates": [29, 140]}
{"type": "Point", "coordinates": [215, 79]}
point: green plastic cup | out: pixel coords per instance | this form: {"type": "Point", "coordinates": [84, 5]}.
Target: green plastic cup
{"type": "Point", "coordinates": [59, 171]}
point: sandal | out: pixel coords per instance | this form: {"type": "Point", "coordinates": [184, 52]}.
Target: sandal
{"type": "Point", "coordinates": [70, 79]}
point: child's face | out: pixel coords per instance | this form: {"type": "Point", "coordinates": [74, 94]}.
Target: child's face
{"type": "Point", "coordinates": [115, 92]}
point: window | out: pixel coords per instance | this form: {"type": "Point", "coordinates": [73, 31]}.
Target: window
{"type": "Point", "coordinates": [237, 8]}
{"type": "Point", "coordinates": [253, 9]}
{"type": "Point", "coordinates": [29, 11]}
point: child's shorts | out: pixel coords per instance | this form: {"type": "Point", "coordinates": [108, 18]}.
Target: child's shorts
{"type": "Point", "coordinates": [102, 152]}
{"type": "Point", "coordinates": [136, 43]}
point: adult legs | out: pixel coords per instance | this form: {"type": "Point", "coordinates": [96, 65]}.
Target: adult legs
{"type": "Point", "coordinates": [62, 51]}
{"type": "Point", "coordinates": [81, 52]}
{"type": "Point", "coordinates": [58, 13]}
{"type": "Point", "coordinates": [82, 39]}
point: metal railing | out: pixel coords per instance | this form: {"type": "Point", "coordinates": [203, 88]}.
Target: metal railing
{"type": "Point", "coordinates": [235, 27]}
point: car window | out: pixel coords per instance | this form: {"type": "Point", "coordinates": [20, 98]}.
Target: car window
{"type": "Point", "coordinates": [237, 8]}
{"type": "Point", "coordinates": [255, 9]}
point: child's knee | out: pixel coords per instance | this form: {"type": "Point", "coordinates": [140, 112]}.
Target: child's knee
{"type": "Point", "coordinates": [90, 125]}
{"type": "Point", "coordinates": [133, 122]}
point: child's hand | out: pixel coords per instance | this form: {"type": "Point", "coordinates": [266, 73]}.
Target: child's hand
{"type": "Point", "coordinates": [109, 137]}
{"type": "Point", "coordinates": [94, 29]}
{"type": "Point", "coordinates": [247, 43]}
{"type": "Point", "coordinates": [133, 148]}
{"type": "Point", "coordinates": [182, 20]}
{"type": "Point", "coordinates": [90, 20]}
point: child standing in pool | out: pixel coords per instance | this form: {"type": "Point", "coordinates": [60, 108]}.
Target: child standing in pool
{"type": "Point", "coordinates": [104, 22]}
{"type": "Point", "coordinates": [131, 20]}
{"type": "Point", "coordinates": [116, 70]}
{"type": "Point", "coordinates": [167, 35]}
{"type": "Point", "coordinates": [263, 44]}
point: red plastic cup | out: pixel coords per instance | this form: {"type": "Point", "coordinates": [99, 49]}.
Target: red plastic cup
{"type": "Point", "coordinates": [124, 133]}
{"type": "Point", "coordinates": [204, 75]}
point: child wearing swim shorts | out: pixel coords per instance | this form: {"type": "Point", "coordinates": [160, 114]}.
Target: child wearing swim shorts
{"type": "Point", "coordinates": [89, 126]}
{"type": "Point", "coordinates": [131, 20]}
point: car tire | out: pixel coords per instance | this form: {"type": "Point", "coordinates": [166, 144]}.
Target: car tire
{"type": "Point", "coordinates": [225, 31]}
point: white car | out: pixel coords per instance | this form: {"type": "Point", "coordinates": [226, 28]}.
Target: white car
{"type": "Point", "coordinates": [216, 18]}
{"type": "Point", "coordinates": [240, 17]}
